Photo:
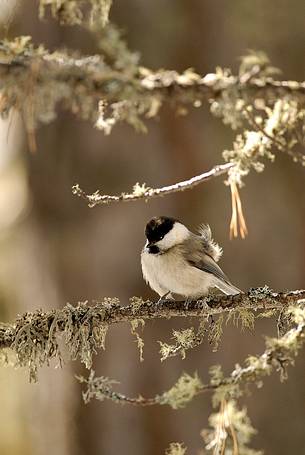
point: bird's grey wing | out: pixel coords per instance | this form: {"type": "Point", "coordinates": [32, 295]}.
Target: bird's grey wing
{"type": "Point", "coordinates": [195, 253]}
{"type": "Point", "coordinates": [206, 264]}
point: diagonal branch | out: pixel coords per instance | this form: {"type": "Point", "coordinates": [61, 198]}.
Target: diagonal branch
{"type": "Point", "coordinates": [145, 193]}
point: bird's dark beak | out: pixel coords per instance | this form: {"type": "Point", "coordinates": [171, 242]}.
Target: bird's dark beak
{"type": "Point", "coordinates": [149, 245]}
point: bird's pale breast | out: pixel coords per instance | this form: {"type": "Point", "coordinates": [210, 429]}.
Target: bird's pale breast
{"type": "Point", "coordinates": [169, 272]}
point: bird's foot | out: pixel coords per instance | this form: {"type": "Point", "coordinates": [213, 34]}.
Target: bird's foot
{"type": "Point", "coordinates": [187, 301]}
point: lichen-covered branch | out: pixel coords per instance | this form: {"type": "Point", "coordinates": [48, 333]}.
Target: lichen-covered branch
{"type": "Point", "coordinates": [73, 12]}
{"type": "Point", "coordinates": [279, 354]}
{"type": "Point", "coordinates": [142, 192]}
{"type": "Point", "coordinates": [185, 389]}
{"type": "Point", "coordinates": [34, 336]}
{"type": "Point", "coordinates": [279, 127]}
{"type": "Point", "coordinates": [34, 81]}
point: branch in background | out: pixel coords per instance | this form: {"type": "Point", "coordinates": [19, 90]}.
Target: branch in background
{"type": "Point", "coordinates": [279, 126]}
{"type": "Point", "coordinates": [34, 336]}
{"type": "Point", "coordinates": [80, 83]}
{"type": "Point", "coordinates": [142, 192]}
{"type": "Point", "coordinates": [279, 354]}
{"type": "Point", "coordinates": [113, 87]}
{"type": "Point", "coordinates": [73, 12]}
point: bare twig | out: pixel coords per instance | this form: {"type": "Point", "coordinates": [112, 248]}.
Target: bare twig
{"type": "Point", "coordinates": [145, 193]}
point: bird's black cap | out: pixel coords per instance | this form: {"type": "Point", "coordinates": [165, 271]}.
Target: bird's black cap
{"type": "Point", "coordinates": [157, 227]}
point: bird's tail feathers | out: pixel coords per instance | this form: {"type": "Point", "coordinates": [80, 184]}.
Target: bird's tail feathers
{"type": "Point", "coordinates": [227, 288]}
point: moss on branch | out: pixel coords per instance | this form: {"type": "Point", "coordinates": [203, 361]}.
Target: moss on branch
{"type": "Point", "coordinates": [278, 355]}
{"type": "Point", "coordinates": [34, 337]}
{"type": "Point", "coordinates": [35, 80]}
{"type": "Point", "coordinates": [72, 12]}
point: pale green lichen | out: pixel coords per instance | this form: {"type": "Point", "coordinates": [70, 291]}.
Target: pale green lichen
{"type": "Point", "coordinates": [176, 448]}
{"type": "Point", "coordinates": [276, 124]}
{"type": "Point", "coordinates": [112, 87]}
{"type": "Point", "coordinates": [260, 293]}
{"type": "Point", "coordinates": [243, 317]}
{"type": "Point", "coordinates": [120, 111]}
{"type": "Point", "coordinates": [139, 190]}
{"type": "Point", "coordinates": [136, 303]}
{"type": "Point", "coordinates": [231, 431]}
{"type": "Point", "coordinates": [182, 392]}
{"type": "Point", "coordinates": [266, 314]}
{"type": "Point", "coordinates": [83, 328]}
{"type": "Point", "coordinates": [99, 388]}
{"type": "Point", "coordinates": [73, 12]}
{"type": "Point", "coordinates": [184, 340]}
{"type": "Point", "coordinates": [216, 331]}
{"type": "Point", "coordinates": [278, 355]}
{"type": "Point", "coordinates": [136, 324]}
{"type": "Point", "coordinates": [274, 128]}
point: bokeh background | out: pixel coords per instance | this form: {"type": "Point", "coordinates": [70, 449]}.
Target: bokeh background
{"type": "Point", "coordinates": [55, 249]}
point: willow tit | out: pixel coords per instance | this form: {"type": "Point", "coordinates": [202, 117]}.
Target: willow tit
{"type": "Point", "coordinates": [174, 260]}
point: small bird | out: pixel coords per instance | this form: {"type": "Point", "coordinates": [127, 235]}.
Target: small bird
{"type": "Point", "coordinates": [176, 261]}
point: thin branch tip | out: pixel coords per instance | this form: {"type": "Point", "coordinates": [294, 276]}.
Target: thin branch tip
{"type": "Point", "coordinates": [142, 192]}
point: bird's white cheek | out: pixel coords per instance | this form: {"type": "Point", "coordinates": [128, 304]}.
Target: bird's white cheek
{"type": "Point", "coordinates": [178, 234]}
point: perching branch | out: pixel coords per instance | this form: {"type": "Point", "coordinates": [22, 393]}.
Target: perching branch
{"type": "Point", "coordinates": [145, 193]}
{"type": "Point", "coordinates": [111, 312]}
{"type": "Point", "coordinates": [34, 336]}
